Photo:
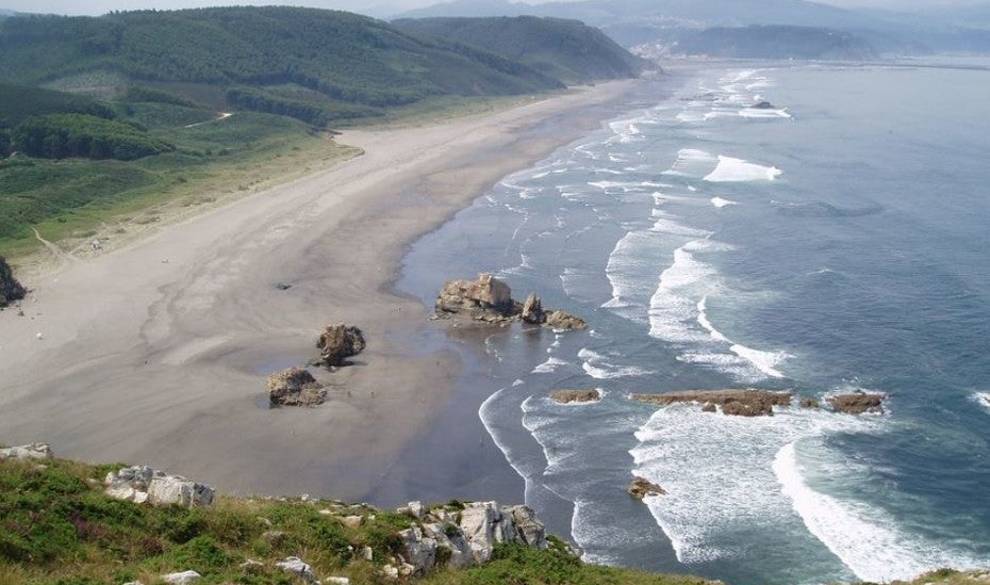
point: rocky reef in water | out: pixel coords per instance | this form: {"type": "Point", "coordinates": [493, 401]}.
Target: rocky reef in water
{"type": "Point", "coordinates": [488, 300]}
{"type": "Point", "coordinates": [746, 402]}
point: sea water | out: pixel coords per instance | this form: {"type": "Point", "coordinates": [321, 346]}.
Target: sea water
{"type": "Point", "coordinates": [836, 241]}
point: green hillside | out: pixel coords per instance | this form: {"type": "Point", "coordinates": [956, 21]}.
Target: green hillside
{"type": "Point", "coordinates": [19, 102]}
{"type": "Point", "coordinates": [344, 57]}
{"type": "Point", "coordinates": [60, 529]}
{"type": "Point", "coordinates": [564, 49]}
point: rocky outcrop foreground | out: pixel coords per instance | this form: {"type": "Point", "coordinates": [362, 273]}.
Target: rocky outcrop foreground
{"type": "Point", "coordinates": [640, 488]}
{"type": "Point", "coordinates": [27, 452]}
{"type": "Point", "coordinates": [746, 402]}
{"type": "Point", "coordinates": [10, 289]}
{"type": "Point", "coordinates": [339, 342]}
{"type": "Point", "coordinates": [858, 403]}
{"type": "Point", "coordinates": [295, 387]}
{"type": "Point", "coordinates": [141, 484]}
{"type": "Point", "coordinates": [576, 396]}
{"type": "Point", "coordinates": [462, 535]}
{"type": "Point", "coordinates": [489, 300]}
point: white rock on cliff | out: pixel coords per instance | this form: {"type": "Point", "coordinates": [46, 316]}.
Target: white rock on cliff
{"type": "Point", "coordinates": [31, 451]}
{"type": "Point", "coordinates": [142, 484]}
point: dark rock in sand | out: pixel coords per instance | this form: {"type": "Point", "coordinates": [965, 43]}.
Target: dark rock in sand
{"type": "Point", "coordinates": [339, 342]}
{"type": "Point", "coordinates": [532, 310]}
{"type": "Point", "coordinates": [295, 387]}
{"type": "Point", "coordinates": [857, 403]}
{"type": "Point", "coordinates": [576, 396]}
{"type": "Point", "coordinates": [810, 403]}
{"type": "Point", "coordinates": [10, 289]}
{"type": "Point", "coordinates": [641, 488]}
{"type": "Point", "coordinates": [564, 321]}
{"type": "Point", "coordinates": [747, 402]}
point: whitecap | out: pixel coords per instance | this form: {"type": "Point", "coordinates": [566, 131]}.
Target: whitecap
{"type": "Point", "coordinates": [866, 539]}
{"type": "Point", "coordinates": [720, 202]}
{"type": "Point", "coordinates": [599, 367]}
{"type": "Point", "coordinates": [737, 170]}
{"type": "Point", "coordinates": [551, 365]}
{"type": "Point", "coordinates": [983, 399]}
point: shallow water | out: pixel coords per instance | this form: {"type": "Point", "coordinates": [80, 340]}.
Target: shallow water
{"type": "Point", "coordinates": [834, 242]}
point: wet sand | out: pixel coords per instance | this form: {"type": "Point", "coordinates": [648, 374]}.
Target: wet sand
{"type": "Point", "coordinates": [156, 353]}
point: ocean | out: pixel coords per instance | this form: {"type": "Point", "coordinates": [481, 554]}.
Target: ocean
{"type": "Point", "coordinates": [833, 240]}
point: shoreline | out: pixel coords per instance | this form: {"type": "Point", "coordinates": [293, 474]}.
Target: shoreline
{"type": "Point", "coordinates": [155, 353]}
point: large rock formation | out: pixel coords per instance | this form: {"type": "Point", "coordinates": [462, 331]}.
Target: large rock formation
{"type": "Point", "coordinates": [462, 536]}
{"type": "Point", "coordinates": [489, 300]}
{"type": "Point", "coordinates": [858, 403]}
{"type": "Point", "coordinates": [33, 451]}
{"type": "Point", "coordinates": [295, 387]}
{"type": "Point", "coordinates": [10, 289]}
{"type": "Point", "coordinates": [339, 342]}
{"type": "Point", "coordinates": [141, 484]}
{"type": "Point", "coordinates": [576, 396]}
{"type": "Point", "coordinates": [640, 488]}
{"type": "Point", "coordinates": [747, 402]}
{"type": "Point", "coordinates": [485, 299]}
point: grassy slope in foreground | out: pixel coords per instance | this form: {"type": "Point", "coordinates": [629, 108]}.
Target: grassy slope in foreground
{"type": "Point", "coordinates": [58, 528]}
{"type": "Point", "coordinates": [567, 50]}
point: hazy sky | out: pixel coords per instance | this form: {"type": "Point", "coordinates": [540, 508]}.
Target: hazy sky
{"type": "Point", "coordinates": [368, 6]}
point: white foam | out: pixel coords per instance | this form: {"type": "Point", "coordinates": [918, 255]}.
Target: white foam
{"type": "Point", "coordinates": [720, 202]}
{"type": "Point", "coordinates": [761, 113]}
{"type": "Point", "coordinates": [672, 309]}
{"type": "Point", "coordinates": [691, 162]}
{"type": "Point", "coordinates": [983, 399]}
{"type": "Point", "coordinates": [737, 170]}
{"type": "Point", "coordinates": [597, 366]}
{"type": "Point", "coordinates": [867, 540]}
{"type": "Point", "coordinates": [764, 361]}
{"type": "Point", "coordinates": [551, 365]}
{"type": "Point", "coordinates": [717, 471]}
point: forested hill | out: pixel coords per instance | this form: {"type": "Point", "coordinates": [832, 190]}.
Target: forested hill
{"type": "Point", "coordinates": [565, 49]}
{"type": "Point", "coordinates": [294, 52]}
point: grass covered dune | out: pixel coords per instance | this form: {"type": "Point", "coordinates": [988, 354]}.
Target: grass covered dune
{"type": "Point", "coordinates": [57, 527]}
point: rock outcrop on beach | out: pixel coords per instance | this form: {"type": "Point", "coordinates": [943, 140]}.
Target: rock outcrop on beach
{"type": "Point", "coordinates": [141, 484]}
{"type": "Point", "coordinates": [295, 387]}
{"type": "Point", "coordinates": [576, 396]}
{"type": "Point", "coordinates": [745, 402]}
{"type": "Point", "coordinates": [858, 403]}
{"type": "Point", "coordinates": [812, 403]}
{"type": "Point", "coordinates": [489, 300]}
{"type": "Point", "coordinates": [339, 342]}
{"type": "Point", "coordinates": [10, 289]}
{"type": "Point", "coordinates": [640, 488]}
{"type": "Point", "coordinates": [33, 451]}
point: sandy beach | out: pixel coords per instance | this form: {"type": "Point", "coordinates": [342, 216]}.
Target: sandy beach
{"type": "Point", "coordinates": [157, 353]}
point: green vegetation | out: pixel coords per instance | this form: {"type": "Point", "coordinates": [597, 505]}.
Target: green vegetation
{"type": "Point", "coordinates": [58, 528]}
{"type": "Point", "coordinates": [564, 49]}
{"type": "Point", "coordinates": [18, 103]}
{"type": "Point", "coordinates": [143, 91]}
{"type": "Point", "coordinates": [346, 57]}
{"type": "Point", "coordinates": [81, 135]}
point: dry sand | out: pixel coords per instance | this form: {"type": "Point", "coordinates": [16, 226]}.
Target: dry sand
{"type": "Point", "coordinates": [156, 353]}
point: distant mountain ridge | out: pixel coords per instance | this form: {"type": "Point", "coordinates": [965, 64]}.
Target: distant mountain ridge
{"type": "Point", "coordinates": [662, 22]}
{"type": "Point", "coordinates": [564, 49]}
